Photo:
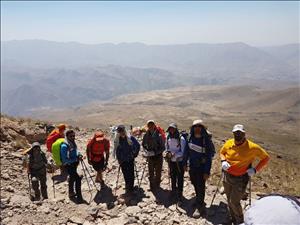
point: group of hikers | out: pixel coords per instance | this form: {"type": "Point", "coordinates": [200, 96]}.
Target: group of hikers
{"type": "Point", "coordinates": [192, 152]}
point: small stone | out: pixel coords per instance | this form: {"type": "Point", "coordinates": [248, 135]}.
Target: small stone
{"type": "Point", "coordinates": [10, 189]}
{"type": "Point", "coordinates": [5, 176]}
{"type": "Point", "coordinates": [76, 220]}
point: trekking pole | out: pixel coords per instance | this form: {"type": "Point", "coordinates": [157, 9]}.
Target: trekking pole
{"type": "Point", "coordinates": [249, 191]}
{"type": "Point", "coordinates": [217, 190]}
{"type": "Point", "coordinates": [29, 185]}
{"type": "Point", "coordinates": [86, 177]}
{"type": "Point", "coordinates": [136, 173]}
{"type": "Point", "coordinates": [143, 174]}
{"type": "Point", "coordinates": [53, 184]}
{"type": "Point", "coordinates": [89, 175]}
{"type": "Point", "coordinates": [117, 179]}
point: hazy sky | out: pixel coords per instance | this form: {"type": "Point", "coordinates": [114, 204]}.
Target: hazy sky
{"type": "Point", "coordinates": [255, 23]}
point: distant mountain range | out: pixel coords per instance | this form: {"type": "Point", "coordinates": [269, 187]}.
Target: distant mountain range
{"type": "Point", "coordinates": [37, 73]}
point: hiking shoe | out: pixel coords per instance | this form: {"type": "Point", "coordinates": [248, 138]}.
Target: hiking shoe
{"type": "Point", "coordinates": [196, 214]}
{"type": "Point", "coordinates": [80, 200]}
{"type": "Point", "coordinates": [180, 201]}
{"type": "Point", "coordinates": [72, 195]}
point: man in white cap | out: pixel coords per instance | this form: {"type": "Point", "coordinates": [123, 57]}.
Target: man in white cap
{"type": "Point", "coordinates": [237, 156]}
{"type": "Point", "coordinates": [154, 146]}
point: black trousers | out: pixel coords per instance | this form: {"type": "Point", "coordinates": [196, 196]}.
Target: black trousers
{"type": "Point", "coordinates": [199, 185]}
{"type": "Point", "coordinates": [74, 179]}
{"type": "Point", "coordinates": [177, 173]}
{"type": "Point", "coordinates": [128, 173]}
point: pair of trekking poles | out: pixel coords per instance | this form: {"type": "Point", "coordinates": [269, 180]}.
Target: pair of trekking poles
{"type": "Point", "coordinates": [218, 187]}
{"type": "Point", "coordinates": [136, 176]}
{"type": "Point", "coordinates": [86, 174]}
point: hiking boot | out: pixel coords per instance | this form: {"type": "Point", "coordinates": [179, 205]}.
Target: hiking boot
{"type": "Point", "coordinates": [196, 214]}
{"type": "Point", "coordinates": [80, 200]}
{"type": "Point", "coordinates": [72, 195]}
{"type": "Point", "coordinates": [179, 200]}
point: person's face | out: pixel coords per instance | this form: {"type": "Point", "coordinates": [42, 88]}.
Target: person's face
{"type": "Point", "coordinates": [172, 130]}
{"type": "Point", "coordinates": [36, 150]}
{"type": "Point", "coordinates": [151, 126]}
{"type": "Point", "coordinates": [197, 129]}
{"type": "Point", "coordinates": [239, 136]}
{"type": "Point", "coordinates": [122, 133]}
{"type": "Point", "coordinates": [71, 136]}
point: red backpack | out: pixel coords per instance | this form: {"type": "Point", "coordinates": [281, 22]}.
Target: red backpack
{"type": "Point", "coordinates": [162, 133]}
{"type": "Point", "coordinates": [96, 149]}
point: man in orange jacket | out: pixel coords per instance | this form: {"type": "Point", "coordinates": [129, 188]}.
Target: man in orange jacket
{"type": "Point", "coordinates": [237, 156]}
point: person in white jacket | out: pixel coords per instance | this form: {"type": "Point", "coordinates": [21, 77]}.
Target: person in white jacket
{"type": "Point", "coordinates": [175, 146]}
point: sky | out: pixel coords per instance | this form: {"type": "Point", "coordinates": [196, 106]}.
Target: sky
{"type": "Point", "coordinates": [153, 22]}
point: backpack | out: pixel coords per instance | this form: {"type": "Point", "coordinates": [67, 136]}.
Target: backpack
{"type": "Point", "coordinates": [52, 137]}
{"type": "Point", "coordinates": [93, 147]}
{"type": "Point", "coordinates": [162, 133]}
{"type": "Point", "coordinates": [56, 151]}
{"type": "Point", "coordinates": [183, 134]}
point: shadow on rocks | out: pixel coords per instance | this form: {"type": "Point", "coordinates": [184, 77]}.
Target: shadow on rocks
{"type": "Point", "coordinates": [105, 195]}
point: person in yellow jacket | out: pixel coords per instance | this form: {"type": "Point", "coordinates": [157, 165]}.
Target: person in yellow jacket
{"type": "Point", "coordinates": [237, 157]}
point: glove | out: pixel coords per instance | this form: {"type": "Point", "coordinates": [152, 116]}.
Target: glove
{"type": "Point", "coordinates": [251, 171]}
{"type": "Point", "coordinates": [80, 157]}
{"type": "Point", "coordinates": [225, 165]}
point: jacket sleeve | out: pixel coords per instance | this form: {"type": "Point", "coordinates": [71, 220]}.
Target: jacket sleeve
{"type": "Point", "coordinates": [182, 147]}
{"type": "Point", "coordinates": [161, 143]}
{"type": "Point", "coordinates": [64, 154]}
{"type": "Point", "coordinates": [136, 146]}
{"type": "Point", "coordinates": [186, 154]}
{"type": "Point", "coordinates": [144, 144]}
{"type": "Point", "coordinates": [209, 155]}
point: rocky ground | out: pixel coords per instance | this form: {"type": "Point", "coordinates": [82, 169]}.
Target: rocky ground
{"type": "Point", "coordinates": [106, 206]}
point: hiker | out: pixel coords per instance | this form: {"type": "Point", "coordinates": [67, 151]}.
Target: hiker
{"type": "Point", "coordinates": [96, 148]}
{"type": "Point", "coordinates": [154, 145]}
{"type": "Point", "coordinates": [54, 135]}
{"type": "Point", "coordinates": [175, 146]}
{"type": "Point", "coordinates": [237, 156]}
{"type": "Point", "coordinates": [70, 157]}
{"type": "Point", "coordinates": [199, 152]}
{"type": "Point", "coordinates": [127, 149]}
{"type": "Point", "coordinates": [36, 163]}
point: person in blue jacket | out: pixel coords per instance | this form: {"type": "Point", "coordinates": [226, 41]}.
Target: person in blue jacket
{"type": "Point", "coordinates": [70, 158]}
{"type": "Point", "coordinates": [126, 149]}
{"type": "Point", "coordinates": [198, 154]}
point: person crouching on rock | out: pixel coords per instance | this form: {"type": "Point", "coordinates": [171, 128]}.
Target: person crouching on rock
{"type": "Point", "coordinates": [36, 162]}
{"type": "Point", "coordinates": [175, 146]}
{"type": "Point", "coordinates": [199, 152]}
{"type": "Point", "coordinates": [127, 149]}
{"type": "Point", "coordinates": [70, 158]}
{"type": "Point", "coordinates": [96, 148]}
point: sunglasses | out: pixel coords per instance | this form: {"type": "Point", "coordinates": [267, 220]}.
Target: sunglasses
{"type": "Point", "coordinates": [197, 126]}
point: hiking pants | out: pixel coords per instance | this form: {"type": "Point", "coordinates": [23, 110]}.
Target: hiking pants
{"type": "Point", "coordinates": [177, 173]}
{"type": "Point", "coordinates": [154, 167]}
{"type": "Point", "coordinates": [235, 188]}
{"type": "Point", "coordinates": [74, 178]}
{"type": "Point", "coordinates": [128, 173]}
{"type": "Point", "coordinates": [198, 182]}
{"type": "Point", "coordinates": [39, 178]}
